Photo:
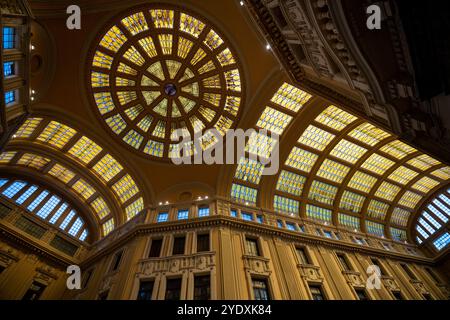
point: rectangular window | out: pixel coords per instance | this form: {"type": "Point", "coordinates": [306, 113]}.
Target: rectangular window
{"type": "Point", "coordinates": [155, 248]}
{"type": "Point", "coordinates": [408, 271]}
{"type": "Point", "coordinates": [328, 234]}
{"type": "Point", "coordinates": [145, 290]}
{"type": "Point", "coordinates": [247, 216]}
{"type": "Point", "coordinates": [9, 68]}
{"type": "Point", "coordinates": [260, 289]}
{"type": "Point", "coordinates": [202, 242]}
{"type": "Point", "coordinates": [252, 248]}
{"type": "Point", "coordinates": [279, 224]}
{"type": "Point", "coordinates": [202, 288]}
{"type": "Point", "coordinates": [178, 245]}
{"type": "Point", "coordinates": [203, 212]}
{"type": "Point", "coordinates": [344, 262]}
{"type": "Point", "coordinates": [316, 292]}
{"type": "Point", "coordinates": [173, 289]}
{"type": "Point", "coordinates": [35, 291]}
{"type": "Point", "coordinates": [163, 217]}
{"type": "Point", "coordinates": [260, 219]}
{"type": "Point", "coordinates": [116, 260]}
{"type": "Point", "coordinates": [359, 241]}
{"type": "Point", "coordinates": [183, 214]}
{"type": "Point", "coordinates": [362, 294]}
{"type": "Point", "coordinates": [10, 97]}
{"type": "Point", "coordinates": [233, 213]}
{"type": "Point", "coordinates": [9, 38]}
{"type": "Point", "coordinates": [291, 226]}
{"type": "Point", "coordinates": [302, 256]}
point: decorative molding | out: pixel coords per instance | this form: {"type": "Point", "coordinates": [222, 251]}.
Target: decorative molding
{"type": "Point", "coordinates": [257, 265]}
{"type": "Point", "coordinates": [310, 273]}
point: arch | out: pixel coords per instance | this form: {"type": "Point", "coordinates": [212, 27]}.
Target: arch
{"type": "Point", "coordinates": [341, 169]}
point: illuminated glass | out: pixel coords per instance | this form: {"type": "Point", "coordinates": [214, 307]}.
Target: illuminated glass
{"type": "Point", "coordinates": [348, 151]}
{"type": "Point", "coordinates": [335, 118]}
{"type": "Point", "coordinates": [56, 134]}
{"type": "Point", "coordinates": [318, 213]}
{"type": "Point", "coordinates": [290, 97]}
{"type": "Point", "coordinates": [362, 182]}
{"type": "Point", "coordinates": [322, 192]}
{"type": "Point", "coordinates": [377, 164]}
{"type": "Point", "coordinates": [369, 134]}
{"type": "Point", "coordinates": [291, 183]}
{"type": "Point", "coordinates": [333, 171]}
{"type": "Point", "coordinates": [351, 202]}
{"type": "Point", "coordinates": [243, 194]}
{"type": "Point", "coordinates": [286, 205]}
{"type": "Point", "coordinates": [387, 191]}
{"type": "Point", "coordinates": [249, 170]}
{"type": "Point", "coordinates": [301, 159]}
{"type": "Point", "coordinates": [349, 222]}
{"type": "Point", "coordinates": [61, 173]}
{"type": "Point", "coordinates": [27, 129]}
{"type": "Point", "coordinates": [316, 138]}
{"type": "Point", "coordinates": [125, 188]}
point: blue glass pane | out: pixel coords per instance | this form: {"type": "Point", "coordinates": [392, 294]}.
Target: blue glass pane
{"type": "Point", "coordinates": [247, 216]}
{"type": "Point", "coordinates": [203, 212]}
{"type": "Point", "coordinates": [37, 201]}
{"type": "Point", "coordinates": [163, 217]}
{"type": "Point", "coordinates": [9, 34]}
{"type": "Point", "coordinates": [260, 219]}
{"type": "Point", "coordinates": [14, 188]}
{"type": "Point", "coordinates": [3, 182]}
{"type": "Point", "coordinates": [10, 97]}
{"type": "Point", "coordinates": [233, 213]}
{"type": "Point", "coordinates": [8, 68]}
{"type": "Point", "coordinates": [183, 214]}
{"type": "Point", "coordinates": [280, 224]}
{"type": "Point", "coordinates": [443, 241]}
{"type": "Point", "coordinates": [83, 235]}
{"type": "Point", "coordinates": [48, 207]}
{"type": "Point", "coordinates": [66, 221]}
{"type": "Point", "coordinates": [290, 226]}
{"type": "Point", "coordinates": [26, 195]}
{"type": "Point", "coordinates": [58, 213]}
{"type": "Point", "coordinates": [76, 227]}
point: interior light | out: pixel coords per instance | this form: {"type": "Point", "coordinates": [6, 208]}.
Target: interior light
{"type": "Point", "coordinates": [268, 47]}
{"type": "Point", "coordinates": [241, 3]}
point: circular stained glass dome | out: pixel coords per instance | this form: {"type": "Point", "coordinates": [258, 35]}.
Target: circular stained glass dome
{"type": "Point", "coordinates": [157, 70]}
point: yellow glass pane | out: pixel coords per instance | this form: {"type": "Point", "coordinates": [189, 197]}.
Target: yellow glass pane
{"type": "Point", "coordinates": [207, 67]}
{"type": "Point", "coordinates": [377, 209]}
{"type": "Point", "coordinates": [207, 113]}
{"type": "Point", "coordinates": [160, 129]}
{"type": "Point", "coordinates": [362, 182]}
{"type": "Point", "coordinates": [134, 56]}
{"type": "Point", "coordinates": [348, 151]}
{"type": "Point", "coordinates": [226, 58]}
{"type": "Point", "coordinates": [27, 129]}
{"type": "Point", "coordinates": [154, 148]}
{"type": "Point", "coordinates": [157, 70]}
{"type": "Point", "coordinates": [301, 159]}
{"type": "Point", "coordinates": [100, 207]}
{"type": "Point", "coordinates": [369, 134]}
{"type": "Point", "coordinates": [126, 69]}
{"type": "Point", "coordinates": [290, 97]}
{"type": "Point", "coordinates": [191, 25]}
{"type": "Point", "coordinates": [322, 192]}
{"type": "Point", "coordinates": [108, 227]}
{"type": "Point", "coordinates": [377, 164]}
{"type": "Point", "coordinates": [291, 183]}
{"type": "Point", "coordinates": [398, 149]}
{"type": "Point", "coordinates": [133, 138]}
{"type": "Point", "coordinates": [274, 120]}
{"type": "Point", "coordinates": [122, 82]}
{"type": "Point", "coordinates": [133, 209]}
{"type": "Point", "coordinates": [102, 60]}
{"type": "Point", "coordinates": [116, 123]}
{"type": "Point", "coordinates": [61, 173]}
{"type": "Point", "coordinates": [443, 173]}
{"type": "Point", "coordinates": [162, 18]}
{"type": "Point", "coordinates": [223, 125]}
{"type": "Point", "coordinates": [423, 162]}
{"type": "Point", "coordinates": [126, 97]}
{"type": "Point", "coordinates": [213, 40]}
{"type": "Point", "coordinates": [387, 191]}
{"type": "Point", "coordinates": [33, 161]}
{"type": "Point", "coordinates": [85, 150]}
{"type": "Point", "coordinates": [403, 175]}
{"type": "Point", "coordinates": [425, 184]}
{"type": "Point", "coordinates": [410, 199]}
{"type": "Point", "coordinates": [99, 80]}
{"type": "Point", "coordinates": [135, 23]}
{"type": "Point", "coordinates": [316, 138]}
{"type": "Point", "coordinates": [107, 167]}
{"type": "Point", "coordinates": [232, 105]}
{"type": "Point", "coordinates": [145, 123]}
{"type": "Point", "coordinates": [56, 134]}
{"type": "Point", "coordinates": [249, 170]}
{"type": "Point", "coordinates": [149, 46]}
{"type": "Point", "coordinates": [83, 188]}
{"type": "Point", "coordinates": [6, 157]}
{"type": "Point", "coordinates": [199, 55]}
{"type": "Point", "coordinates": [165, 41]}
{"type": "Point", "coordinates": [125, 188]}
{"type": "Point", "coordinates": [104, 102]}
{"type": "Point", "coordinates": [113, 39]}
{"type": "Point", "coordinates": [333, 171]}
{"type": "Point", "coordinates": [335, 118]}
{"type": "Point", "coordinates": [184, 47]}
{"type": "Point", "coordinates": [352, 202]}
{"type": "Point", "coordinates": [233, 80]}
{"type": "Point", "coordinates": [173, 67]}
{"type": "Point", "coordinates": [133, 112]}
{"type": "Point", "coordinates": [260, 145]}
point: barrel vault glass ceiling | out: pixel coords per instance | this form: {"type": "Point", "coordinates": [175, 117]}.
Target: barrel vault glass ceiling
{"type": "Point", "coordinates": [342, 170]}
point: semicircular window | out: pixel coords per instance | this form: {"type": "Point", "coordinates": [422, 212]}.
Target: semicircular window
{"type": "Point", "coordinates": [45, 205]}
{"type": "Point", "coordinates": [157, 74]}
{"type": "Point", "coordinates": [432, 224]}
